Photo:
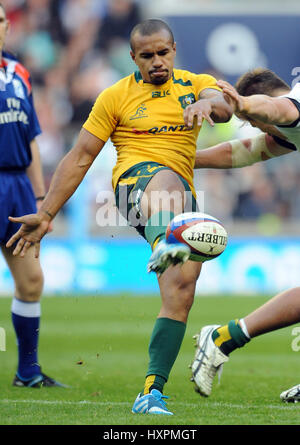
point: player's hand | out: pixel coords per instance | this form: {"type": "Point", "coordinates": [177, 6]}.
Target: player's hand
{"type": "Point", "coordinates": [200, 110]}
{"type": "Point", "coordinates": [32, 230]}
{"type": "Point", "coordinates": [231, 95]}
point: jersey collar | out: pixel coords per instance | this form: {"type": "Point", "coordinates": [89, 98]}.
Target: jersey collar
{"type": "Point", "coordinates": [138, 78]}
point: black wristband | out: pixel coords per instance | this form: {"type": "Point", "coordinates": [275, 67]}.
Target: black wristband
{"type": "Point", "coordinates": [40, 198]}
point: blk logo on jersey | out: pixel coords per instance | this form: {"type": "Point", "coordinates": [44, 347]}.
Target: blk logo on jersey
{"type": "Point", "coordinates": [161, 93]}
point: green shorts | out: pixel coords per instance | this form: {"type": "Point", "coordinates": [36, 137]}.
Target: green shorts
{"type": "Point", "coordinates": [131, 186]}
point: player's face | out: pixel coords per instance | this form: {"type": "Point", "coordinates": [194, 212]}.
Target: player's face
{"type": "Point", "coordinates": [154, 56]}
{"type": "Point", "coordinates": [4, 24]}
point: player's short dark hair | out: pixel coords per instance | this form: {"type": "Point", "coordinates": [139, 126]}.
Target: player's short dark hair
{"type": "Point", "coordinates": [149, 27]}
{"type": "Point", "coordinates": [260, 81]}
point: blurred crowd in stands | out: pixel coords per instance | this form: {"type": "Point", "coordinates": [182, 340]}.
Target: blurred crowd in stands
{"type": "Point", "coordinates": [76, 48]}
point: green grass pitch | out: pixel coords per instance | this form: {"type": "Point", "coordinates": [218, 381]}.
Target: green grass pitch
{"type": "Point", "coordinates": [98, 346]}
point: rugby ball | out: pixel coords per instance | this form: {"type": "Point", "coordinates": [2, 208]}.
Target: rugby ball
{"type": "Point", "coordinates": [204, 234]}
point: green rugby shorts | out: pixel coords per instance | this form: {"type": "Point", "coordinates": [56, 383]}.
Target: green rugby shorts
{"type": "Point", "coordinates": [131, 186]}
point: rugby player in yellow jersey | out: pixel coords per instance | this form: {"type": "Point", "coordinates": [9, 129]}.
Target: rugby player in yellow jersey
{"type": "Point", "coordinates": [153, 117]}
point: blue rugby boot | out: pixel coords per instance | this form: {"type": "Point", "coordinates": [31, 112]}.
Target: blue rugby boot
{"type": "Point", "coordinates": [152, 403]}
{"type": "Point", "coordinates": [166, 254]}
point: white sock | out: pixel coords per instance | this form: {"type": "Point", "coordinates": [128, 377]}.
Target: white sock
{"type": "Point", "coordinates": [26, 309]}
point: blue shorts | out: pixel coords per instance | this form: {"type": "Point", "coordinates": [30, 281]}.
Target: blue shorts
{"type": "Point", "coordinates": [16, 199]}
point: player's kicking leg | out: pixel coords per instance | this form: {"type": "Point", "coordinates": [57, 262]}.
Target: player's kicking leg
{"type": "Point", "coordinates": [215, 343]}
{"type": "Point", "coordinates": [28, 278]}
{"type": "Point", "coordinates": [177, 288]}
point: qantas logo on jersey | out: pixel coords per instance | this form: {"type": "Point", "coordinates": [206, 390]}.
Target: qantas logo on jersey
{"type": "Point", "coordinates": [170, 128]}
{"type": "Point", "coordinates": [163, 129]}
{"type": "Point", "coordinates": [14, 114]}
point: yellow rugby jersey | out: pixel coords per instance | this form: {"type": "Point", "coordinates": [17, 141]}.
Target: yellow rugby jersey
{"type": "Point", "coordinates": [145, 121]}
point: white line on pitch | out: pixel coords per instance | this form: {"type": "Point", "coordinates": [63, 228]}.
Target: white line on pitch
{"type": "Point", "coordinates": [195, 405]}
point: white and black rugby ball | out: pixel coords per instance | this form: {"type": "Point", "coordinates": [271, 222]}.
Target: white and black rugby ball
{"type": "Point", "coordinates": [204, 234]}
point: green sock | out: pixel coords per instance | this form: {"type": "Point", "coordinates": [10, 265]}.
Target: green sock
{"type": "Point", "coordinates": [155, 228]}
{"type": "Point", "coordinates": [230, 337]}
{"type": "Point", "coordinates": [164, 346]}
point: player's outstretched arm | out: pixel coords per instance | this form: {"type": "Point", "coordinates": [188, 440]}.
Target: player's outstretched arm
{"type": "Point", "coordinates": [211, 106]}
{"type": "Point", "coordinates": [217, 156]}
{"type": "Point", "coordinates": [240, 153]}
{"type": "Point", "coordinates": [270, 110]}
{"type": "Point", "coordinates": [67, 177]}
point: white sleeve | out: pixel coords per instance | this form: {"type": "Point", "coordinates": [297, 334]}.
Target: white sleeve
{"type": "Point", "coordinates": [292, 131]}
{"type": "Point", "coordinates": [294, 93]}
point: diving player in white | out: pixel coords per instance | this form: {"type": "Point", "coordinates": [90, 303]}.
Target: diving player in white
{"type": "Point", "coordinates": [267, 102]}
